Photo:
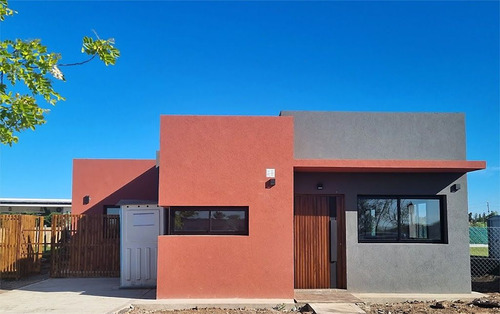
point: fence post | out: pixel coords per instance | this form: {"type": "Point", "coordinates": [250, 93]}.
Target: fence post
{"type": "Point", "coordinates": [18, 251]}
{"type": "Point", "coordinates": [52, 245]}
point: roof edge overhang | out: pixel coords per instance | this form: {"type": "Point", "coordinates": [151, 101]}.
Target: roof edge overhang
{"type": "Point", "coordinates": [386, 165]}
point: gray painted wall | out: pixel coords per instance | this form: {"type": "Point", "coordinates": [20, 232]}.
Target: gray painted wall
{"type": "Point", "coordinates": [390, 267]}
{"type": "Point", "coordinates": [367, 135]}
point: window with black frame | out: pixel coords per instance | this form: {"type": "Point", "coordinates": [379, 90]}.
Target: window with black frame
{"type": "Point", "coordinates": [401, 219]}
{"type": "Point", "coordinates": [215, 220]}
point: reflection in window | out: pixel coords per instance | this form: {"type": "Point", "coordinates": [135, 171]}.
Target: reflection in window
{"type": "Point", "coordinates": [420, 219]}
{"type": "Point", "coordinates": [378, 218]}
{"type": "Point", "coordinates": [395, 219]}
{"type": "Point", "coordinates": [191, 220]}
{"type": "Point", "coordinates": [209, 220]}
{"type": "Point", "coordinates": [224, 220]}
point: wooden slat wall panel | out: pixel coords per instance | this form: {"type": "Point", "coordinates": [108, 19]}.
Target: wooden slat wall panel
{"type": "Point", "coordinates": [85, 246]}
{"type": "Point", "coordinates": [311, 223]}
{"type": "Point", "coordinates": [20, 245]}
{"type": "Point", "coordinates": [10, 228]}
{"type": "Point", "coordinates": [30, 253]}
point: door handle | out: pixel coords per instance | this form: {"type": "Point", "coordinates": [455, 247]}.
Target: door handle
{"type": "Point", "coordinates": [333, 240]}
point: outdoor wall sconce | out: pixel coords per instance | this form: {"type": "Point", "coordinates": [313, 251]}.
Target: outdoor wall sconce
{"type": "Point", "coordinates": [270, 183]}
{"type": "Point", "coordinates": [319, 186]}
{"type": "Point", "coordinates": [455, 187]}
{"type": "Point", "coordinates": [86, 199]}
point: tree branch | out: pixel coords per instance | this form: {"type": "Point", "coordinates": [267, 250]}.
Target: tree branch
{"type": "Point", "coordinates": [77, 63]}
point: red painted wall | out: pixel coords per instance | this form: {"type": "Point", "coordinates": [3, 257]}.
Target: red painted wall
{"type": "Point", "coordinates": [107, 181]}
{"type": "Point", "coordinates": [210, 161]}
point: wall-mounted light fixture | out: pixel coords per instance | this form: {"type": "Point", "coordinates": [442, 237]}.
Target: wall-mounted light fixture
{"type": "Point", "coordinates": [270, 183]}
{"type": "Point", "coordinates": [319, 186]}
{"type": "Point", "coordinates": [455, 187]}
{"type": "Point", "coordinates": [86, 199]}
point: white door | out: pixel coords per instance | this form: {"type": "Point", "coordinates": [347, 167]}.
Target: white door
{"type": "Point", "coordinates": [141, 225]}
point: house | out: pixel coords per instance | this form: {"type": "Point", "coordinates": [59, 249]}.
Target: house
{"type": "Point", "coordinates": [255, 206]}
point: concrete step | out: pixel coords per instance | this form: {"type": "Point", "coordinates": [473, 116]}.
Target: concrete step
{"type": "Point", "coordinates": [335, 308]}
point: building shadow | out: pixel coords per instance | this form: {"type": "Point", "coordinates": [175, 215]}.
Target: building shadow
{"type": "Point", "coordinates": [102, 287]}
{"type": "Point", "coordinates": [143, 187]}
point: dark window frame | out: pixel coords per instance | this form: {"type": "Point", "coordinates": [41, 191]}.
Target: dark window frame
{"type": "Point", "coordinates": [442, 218]}
{"type": "Point", "coordinates": [209, 209]}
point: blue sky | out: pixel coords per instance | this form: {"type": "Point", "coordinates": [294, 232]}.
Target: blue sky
{"type": "Point", "coordinates": [257, 58]}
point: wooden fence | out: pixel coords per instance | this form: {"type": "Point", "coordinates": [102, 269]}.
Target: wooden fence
{"type": "Point", "coordinates": [21, 243]}
{"type": "Point", "coordinates": [85, 246]}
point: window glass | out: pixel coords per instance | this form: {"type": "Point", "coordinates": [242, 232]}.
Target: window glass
{"type": "Point", "coordinates": [223, 220]}
{"type": "Point", "coordinates": [378, 219]}
{"type": "Point", "coordinates": [420, 219]}
{"type": "Point", "coordinates": [191, 220]}
{"type": "Point", "coordinates": [112, 210]}
{"type": "Point", "coordinates": [209, 220]}
{"type": "Point", "coordinates": [400, 219]}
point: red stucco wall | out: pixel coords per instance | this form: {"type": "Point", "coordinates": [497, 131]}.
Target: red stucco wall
{"type": "Point", "coordinates": [108, 181]}
{"type": "Point", "coordinates": [210, 161]}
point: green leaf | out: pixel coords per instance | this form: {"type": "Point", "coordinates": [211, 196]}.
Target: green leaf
{"type": "Point", "coordinates": [28, 62]}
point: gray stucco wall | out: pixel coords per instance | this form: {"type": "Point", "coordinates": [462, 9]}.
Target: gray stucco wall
{"type": "Point", "coordinates": [368, 135]}
{"type": "Point", "coordinates": [391, 267]}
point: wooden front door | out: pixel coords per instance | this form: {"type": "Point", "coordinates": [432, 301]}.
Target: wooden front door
{"type": "Point", "coordinates": [314, 266]}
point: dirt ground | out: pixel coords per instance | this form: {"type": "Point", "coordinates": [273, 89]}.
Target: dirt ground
{"type": "Point", "coordinates": [277, 310]}
{"type": "Point", "coordinates": [489, 304]}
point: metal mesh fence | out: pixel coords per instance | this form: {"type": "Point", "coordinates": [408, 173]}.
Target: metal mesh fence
{"type": "Point", "coordinates": [485, 256]}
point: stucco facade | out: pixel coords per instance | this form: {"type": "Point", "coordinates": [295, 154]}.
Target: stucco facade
{"type": "Point", "coordinates": [222, 161]}
{"type": "Point", "coordinates": [107, 181]}
{"type": "Point", "coordinates": [208, 163]}
{"type": "Point", "coordinates": [391, 136]}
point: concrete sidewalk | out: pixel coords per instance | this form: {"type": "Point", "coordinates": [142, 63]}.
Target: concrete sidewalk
{"type": "Point", "coordinates": [72, 295]}
{"type": "Point", "coordinates": [103, 295]}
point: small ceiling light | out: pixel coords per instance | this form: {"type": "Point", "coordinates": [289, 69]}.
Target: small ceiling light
{"type": "Point", "coordinates": [319, 186]}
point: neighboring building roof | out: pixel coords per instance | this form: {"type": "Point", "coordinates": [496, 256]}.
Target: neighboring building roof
{"type": "Point", "coordinates": [44, 202]}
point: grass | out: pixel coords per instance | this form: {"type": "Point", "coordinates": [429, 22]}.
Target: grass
{"type": "Point", "coordinates": [479, 251]}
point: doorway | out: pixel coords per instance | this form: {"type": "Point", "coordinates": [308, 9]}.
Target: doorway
{"type": "Point", "coordinates": [319, 242]}
{"type": "Point", "coordinates": [141, 225]}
